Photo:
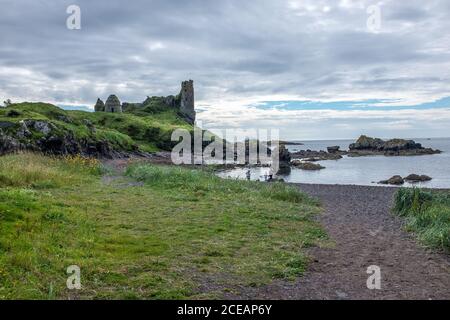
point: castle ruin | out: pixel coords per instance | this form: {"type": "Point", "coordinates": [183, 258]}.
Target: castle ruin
{"type": "Point", "coordinates": [184, 102]}
{"type": "Point", "coordinates": [113, 104]}
{"type": "Point", "coordinates": [187, 99]}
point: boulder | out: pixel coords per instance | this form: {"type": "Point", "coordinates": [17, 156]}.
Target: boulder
{"type": "Point", "coordinates": [333, 149]}
{"type": "Point", "coordinates": [8, 144]}
{"type": "Point", "coordinates": [23, 131]}
{"type": "Point", "coordinates": [395, 180]}
{"type": "Point", "coordinates": [284, 154]}
{"type": "Point", "coordinates": [284, 160]}
{"type": "Point", "coordinates": [365, 142]}
{"type": "Point", "coordinates": [306, 165]}
{"type": "Point", "coordinates": [41, 126]}
{"type": "Point", "coordinates": [418, 178]}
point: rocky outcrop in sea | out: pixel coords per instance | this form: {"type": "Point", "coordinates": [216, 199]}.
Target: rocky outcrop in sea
{"type": "Point", "coordinates": [367, 146]}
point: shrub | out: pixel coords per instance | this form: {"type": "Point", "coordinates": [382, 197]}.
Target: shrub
{"type": "Point", "coordinates": [13, 113]}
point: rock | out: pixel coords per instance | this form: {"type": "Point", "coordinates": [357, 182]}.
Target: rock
{"type": "Point", "coordinates": [23, 131]}
{"type": "Point", "coordinates": [41, 126]}
{"type": "Point", "coordinates": [284, 158]}
{"type": "Point", "coordinates": [99, 106]}
{"type": "Point", "coordinates": [56, 139]}
{"type": "Point", "coordinates": [395, 180]}
{"type": "Point", "coordinates": [417, 178]}
{"type": "Point", "coordinates": [89, 125]}
{"type": "Point", "coordinates": [6, 124]}
{"type": "Point", "coordinates": [64, 118]}
{"type": "Point", "coordinates": [367, 143]}
{"type": "Point", "coordinates": [8, 144]}
{"type": "Point", "coordinates": [401, 144]}
{"type": "Point", "coordinates": [306, 165]}
{"type": "Point", "coordinates": [284, 169]}
{"type": "Point", "coordinates": [310, 155]}
{"type": "Point", "coordinates": [284, 154]}
{"type": "Point", "coordinates": [367, 146]}
{"type": "Point", "coordinates": [333, 149]}
{"type": "Point", "coordinates": [113, 104]}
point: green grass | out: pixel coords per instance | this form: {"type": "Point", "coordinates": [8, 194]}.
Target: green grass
{"type": "Point", "coordinates": [164, 237]}
{"type": "Point", "coordinates": [427, 214]}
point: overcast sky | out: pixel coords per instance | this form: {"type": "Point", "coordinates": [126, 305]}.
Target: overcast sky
{"type": "Point", "coordinates": [312, 68]}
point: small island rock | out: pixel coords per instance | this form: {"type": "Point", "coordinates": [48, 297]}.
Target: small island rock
{"type": "Point", "coordinates": [306, 165]}
{"type": "Point", "coordinates": [418, 178]}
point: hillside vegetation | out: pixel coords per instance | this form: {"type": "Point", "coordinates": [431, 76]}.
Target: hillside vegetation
{"type": "Point", "coordinates": [47, 128]}
{"type": "Point", "coordinates": [152, 233]}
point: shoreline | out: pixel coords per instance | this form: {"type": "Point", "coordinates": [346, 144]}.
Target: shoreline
{"type": "Point", "coordinates": [363, 185]}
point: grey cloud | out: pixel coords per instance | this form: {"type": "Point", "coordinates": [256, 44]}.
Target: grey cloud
{"type": "Point", "coordinates": [412, 14]}
{"type": "Point", "coordinates": [232, 49]}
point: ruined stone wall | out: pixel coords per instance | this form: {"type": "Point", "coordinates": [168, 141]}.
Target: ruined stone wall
{"type": "Point", "coordinates": [187, 107]}
{"type": "Point", "coordinates": [184, 102]}
{"type": "Point", "coordinates": [113, 104]}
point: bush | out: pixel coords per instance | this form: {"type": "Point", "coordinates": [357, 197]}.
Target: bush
{"type": "Point", "coordinates": [13, 113]}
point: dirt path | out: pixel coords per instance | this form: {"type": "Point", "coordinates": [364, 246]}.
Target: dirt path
{"type": "Point", "coordinates": [359, 220]}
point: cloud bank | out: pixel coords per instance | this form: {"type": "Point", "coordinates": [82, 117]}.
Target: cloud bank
{"type": "Point", "coordinates": [240, 53]}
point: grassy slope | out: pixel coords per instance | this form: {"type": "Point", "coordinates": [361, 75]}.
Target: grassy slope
{"type": "Point", "coordinates": [427, 214]}
{"type": "Point", "coordinates": [150, 130]}
{"type": "Point", "coordinates": [161, 239]}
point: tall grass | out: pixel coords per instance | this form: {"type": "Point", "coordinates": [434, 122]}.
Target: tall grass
{"type": "Point", "coordinates": [194, 179]}
{"type": "Point", "coordinates": [427, 214]}
{"type": "Point", "coordinates": [30, 170]}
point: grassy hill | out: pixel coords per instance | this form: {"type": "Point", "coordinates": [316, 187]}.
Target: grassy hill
{"type": "Point", "coordinates": [41, 126]}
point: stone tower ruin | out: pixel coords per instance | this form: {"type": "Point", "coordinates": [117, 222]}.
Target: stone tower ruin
{"type": "Point", "coordinates": [113, 104]}
{"type": "Point", "coordinates": [99, 106]}
{"type": "Point", "coordinates": [187, 100]}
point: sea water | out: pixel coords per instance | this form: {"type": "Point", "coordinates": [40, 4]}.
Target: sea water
{"type": "Point", "coordinates": [363, 170]}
